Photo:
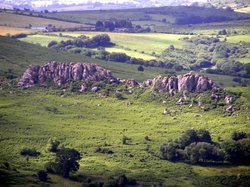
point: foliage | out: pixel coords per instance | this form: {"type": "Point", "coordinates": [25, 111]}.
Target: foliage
{"type": "Point", "coordinates": [140, 68]}
{"type": "Point", "coordinates": [42, 175]}
{"type": "Point", "coordinates": [66, 161]}
{"type": "Point", "coordinates": [203, 151]}
{"type": "Point", "coordinates": [239, 135]}
{"type": "Point", "coordinates": [29, 152]}
{"type": "Point", "coordinates": [237, 152]}
{"type": "Point", "coordinates": [193, 146]}
{"type": "Point", "coordinates": [53, 145]}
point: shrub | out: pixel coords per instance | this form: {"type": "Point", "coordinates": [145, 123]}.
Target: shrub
{"type": "Point", "coordinates": [53, 145]}
{"type": "Point", "coordinates": [238, 135]}
{"type": "Point", "coordinates": [237, 152]}
{"type": "Point", "coordinates": [203, 151]}
{"type": "Point", "coordinates": [124, 139]}
{"type": "Point", "coordinates": [140, 68]}
{"type": "Point", "coordinates": [52, 43]}
{"type": "Point", "coordinates": [42, 175]}
{"type": "Point", "coordinates": [119, 96]}
{"type": "Point", "coordinates": [29, 152]}
{"type": "Point", "coordinates": [65, 162]}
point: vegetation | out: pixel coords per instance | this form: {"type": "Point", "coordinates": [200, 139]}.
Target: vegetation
{"type": "Point", "coordinates": [65, 162]}
{"type": "Point", "coordinates": [112, 136]}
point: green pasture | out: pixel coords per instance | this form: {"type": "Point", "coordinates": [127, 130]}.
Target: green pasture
{"type": "Point", "coordinates": [143, 42]}
{"type": "Point", "coordinates": [42, 40]}
{"type": "Point", "coordinates": [131, 53]}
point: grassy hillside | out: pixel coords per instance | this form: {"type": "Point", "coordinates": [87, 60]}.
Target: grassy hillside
{"type": "Point", "coordinates": [15, 20]}
{"type": "Point", "coordinates": [14, 62]}
{"type": "Point", "coordinates": [162, 19]}
{"type": "Point", "coordinates": [87, 121]}
{"type": "Point", "coordinates": [15, 56]}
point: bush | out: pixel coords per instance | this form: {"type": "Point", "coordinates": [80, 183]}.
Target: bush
{"type": "Point", "coordinates": [203, 151]}
{"type": "Point", "coordinates": [29, 152]}
{"type": "Point", "coordinates": [65, 162]}
{"type": "Point", "coordinates": [140, 68]}
{"type": "Point", "coordinates": [52, 43]}
{"type": "Point", "coordinates": [53, 145]}
{"type": "Point", "coordinates": [124, 139]}
{"type": "Point", "coordinates": [42, 175]}
{"type": "Point", "coordinates": [239, 135]}
{"type": "Point", "coordinates": [237, 152]}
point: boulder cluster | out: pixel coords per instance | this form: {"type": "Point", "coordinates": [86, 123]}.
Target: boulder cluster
{"type": "Point", "coordinates": [189, 82]}
{"type": "Point", "coordinates": [63, 73]}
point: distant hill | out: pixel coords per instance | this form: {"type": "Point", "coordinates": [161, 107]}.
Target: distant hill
{"type": "Point", "coordinates": [69, 5]}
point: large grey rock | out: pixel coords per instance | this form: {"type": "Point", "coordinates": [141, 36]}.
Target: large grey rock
{"type": "Point", "coordinates": [62, 73]}
{"type": "Point", "coordinates": [189, 82]}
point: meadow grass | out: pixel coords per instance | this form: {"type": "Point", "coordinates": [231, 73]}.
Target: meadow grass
{"type": "Point", "coordinates": [131, 53]}
{"type": "Point", "coordinates": [87, 121]}
{"type": "Point", "coordinates": [238, 38]}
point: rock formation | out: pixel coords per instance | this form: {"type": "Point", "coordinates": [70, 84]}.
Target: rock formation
{"type": "Point", "coordinates": [62, 73]}
{"type": "Point", "coordinates": [189, 82]}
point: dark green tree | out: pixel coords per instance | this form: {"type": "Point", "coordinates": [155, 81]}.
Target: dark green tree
{"type": "Point", "coordinates": [140, 68]}
{"type": "Point", "coordinates": [65, 162]}
{"type": "Point", "coordinates": [99, 26]}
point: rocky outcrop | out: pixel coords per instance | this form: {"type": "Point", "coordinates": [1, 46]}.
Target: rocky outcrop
{"type": "Point", "coordinates": [189, 82]}
{"type": "Point", "coordinates": [62, 73]}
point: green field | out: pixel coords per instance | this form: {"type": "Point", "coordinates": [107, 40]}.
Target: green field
{"type": "Point", "coordinates": [24, 119]}
{"type": "Point", "coordinates": [131, 53]}
{"type": "Point", "coordinates": [42, 40]}
{"type": "Point", "coordinates": [15, 61]}
{"type": "Point", "coordinates": [238, 38]}
{"type": "Point", "coordinates": [147, 42]}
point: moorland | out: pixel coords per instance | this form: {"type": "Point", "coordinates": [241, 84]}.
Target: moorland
{"type": "Point", "coordinates": [126, 135]}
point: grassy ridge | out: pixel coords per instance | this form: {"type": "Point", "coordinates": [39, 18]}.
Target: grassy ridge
{"type": "Point", "coordinates": [15, 20]}
{"type": "Point", "coordinates": [15, 56]}
{"type": "Point", "coordinates": [15, 61]}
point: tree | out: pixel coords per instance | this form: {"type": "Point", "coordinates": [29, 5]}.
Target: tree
{"type": "Point", "coordinates": [99, 26]}
{"type": "Point", "coordinates": [118, 57]}
{"type": "Point", "coordinates": [171, 151]}
{"type": "Point", "coordinates": [65, 162]}
{"type": "Point", "coordinates": [109, 25]}
{"type": "Point", "coordinates": [42, 175]}
{"type": "Point", "coordinates": [203, 151]}
{"type": "Point", "coordinates": [140, 68]}
{"type": "Point", "coordinates": [187, 138]}
{"type": "Point", "coordinates": [237, 152]}
{"type": "Point", "coordinates": [204, 136]}
{"type": "Point", "coordinates": [102, 40]}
